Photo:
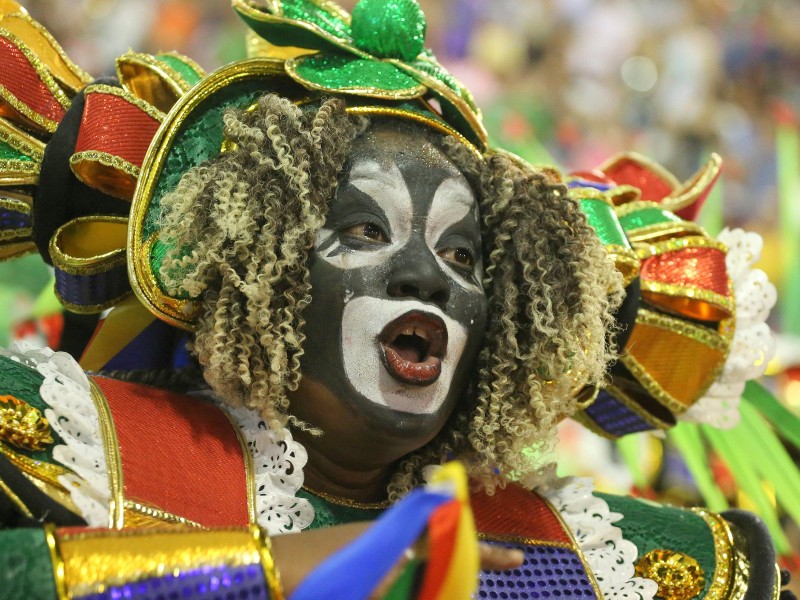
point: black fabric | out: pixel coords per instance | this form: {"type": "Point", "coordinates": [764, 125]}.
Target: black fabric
{"type": "Point", "coordinates": [78, 330]}
{"type": "Point", "coordinates": [625, 315]}
{"type": "Point", "coordinates": [43, 507]}
{"type": "Point", "coordinates": [60, 196]}
{"type": "Point", "coordinates": [760, 553]}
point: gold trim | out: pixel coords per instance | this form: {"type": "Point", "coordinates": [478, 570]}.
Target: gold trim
{"type": "Point", "coordinates": [15, 250]}
{"type": "Point", "coordinates": [44, 76]}
{"type": "Point", "coordinates": [15, 499]}
{"type": "Point", "coordinates": [687, 194]}
{"type": "Point", "coordinates": [249, 471]}
{"type": "Point", "coordinates": [672, 245]}
{"type": "Point", "coordinates": [21, 234]}
{"type": "Point", "coordinates": [172, 310]}
{"type": "Point", "coordinates": [590, 193]}
{"type": "Point", "coordinates": [92, 265]}
{"type": "Point", "coordinates": [106, 172]}
{"type": "Point", "coordinates": [158, 514]}
{"type": "Point", "coordinates": [116, 505]}
{"type": "Point", "coordinates": [420, 118]}
{"type": "Point", "coordinates": [627, 209]}
{"type": "Point", "coordinates": [731, 567]}
{"type": "Point", "coordinates": [270, 568]}
{"type": "Point", "coordinates": [164, 73]}
{"type": "Point", "coordinates": [698, 333]}
{"type": "Point", "coordinates": [90, 309]}
{"type": "Point", "coordinates": [470, 115]}
{"type": "Point", "coordinates": [254, 13]}
{"type": "Point", "coordinates": [684, 292]}
{"type": "Point", "coordinates": [57, 561]}
{"type": "Point", "coordinates": [339, 501]}
{"type": "Point", "coordinates": [657, 231]}
{"type": "Point", "coordinates": [518, 539]}
{"type": "Point", "coordinates": [21, 141]}
{"type": "Point", "coordinates": [199, 71]}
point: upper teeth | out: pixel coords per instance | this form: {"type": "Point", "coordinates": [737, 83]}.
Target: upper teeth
{"type": "Point", "coordinates": [415, 331]}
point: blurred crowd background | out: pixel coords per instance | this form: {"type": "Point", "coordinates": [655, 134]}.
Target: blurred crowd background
{"type": "Point", "coordinates": [565, 82]}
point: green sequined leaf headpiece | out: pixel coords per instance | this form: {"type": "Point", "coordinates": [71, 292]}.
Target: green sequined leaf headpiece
{"type": "Point", "coordinates": [377, 52]}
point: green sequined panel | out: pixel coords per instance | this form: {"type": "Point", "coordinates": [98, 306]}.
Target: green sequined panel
{"type": "Point", "coordinates": [26, 572]}
{"type": "Point", "coordinates": [9, 153]}
{"type": "Point", "coordinates": [651, 526]}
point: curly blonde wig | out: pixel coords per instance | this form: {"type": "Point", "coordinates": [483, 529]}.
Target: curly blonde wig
{"type": "Point", "coordinates": [251, 216]}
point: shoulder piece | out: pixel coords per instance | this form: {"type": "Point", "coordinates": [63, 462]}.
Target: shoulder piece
{"type": "Point", "coordinates": [695, 553]}
{"type": "Point", "coordinates": [569, 541]}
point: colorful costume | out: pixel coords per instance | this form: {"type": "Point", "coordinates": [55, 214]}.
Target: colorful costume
{"type": "Point", "coordinates": [178, 491]}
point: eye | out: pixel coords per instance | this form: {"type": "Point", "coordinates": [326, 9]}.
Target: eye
{"type": "Point", "coordinates": [367, 231]}
{"type": "Point", "coordinates": [460, 257]}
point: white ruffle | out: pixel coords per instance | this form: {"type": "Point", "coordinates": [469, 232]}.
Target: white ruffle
{"type": "Point", "coordinates": [278, 463]}
{"type": "Point", "coordinates": [753, 344]}
{"type": "Point", "coordinates": [611, 557]}
{"type": "Point", "coordinates": [73, 415]}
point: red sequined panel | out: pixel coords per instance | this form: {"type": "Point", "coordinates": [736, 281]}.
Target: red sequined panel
{"type": "Point", "coordinates": [696, 267]}
{"type": "Point", "coordinates": [19, 77]}
{"type": "Point", "coordinates": [179, 454]}
{"type": "Point", "coordinates": [114, 126]}
{"type": "Point", "coordinates": [515, 512]}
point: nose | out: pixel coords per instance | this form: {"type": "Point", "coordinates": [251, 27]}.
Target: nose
{"type": "Point", "coordinates": [417, 274]}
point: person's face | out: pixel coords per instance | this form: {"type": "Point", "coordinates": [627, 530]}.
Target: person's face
{"type": "Point", "coordinates": [398, 310]}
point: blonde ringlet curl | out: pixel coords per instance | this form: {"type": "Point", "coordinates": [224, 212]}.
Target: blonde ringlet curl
{"type": "Point", "coordinates": [251, 216]}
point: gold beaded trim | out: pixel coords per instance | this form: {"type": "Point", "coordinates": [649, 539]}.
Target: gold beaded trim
{"type": "Point", "coordinates": [18, 172]}
{"type": "Point", "coordinates": [155, 517]}
{"type": "Point", "coordinates": [732, 570]}
{"type": "Point", "coordinates": [690, 291]}
{"type": "Point", "coordinates": [339, 501]}
{"type": "Point", "coordinates": [21, 141]}
{"type": "Point", "coordinates": [703, 335]}
{"type": "Point", "coordinates": [647, 250]}
{"type": "Point", "coordinates": [102, 261]}
{"type": "Point", "coordinates": [116, 504]}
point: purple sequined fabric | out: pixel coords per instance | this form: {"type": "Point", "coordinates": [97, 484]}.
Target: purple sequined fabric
{"type": "Point", "coordinates": [614, 417]}
{"type": "Point", "coordinates": [209, 583]}
{"type": "Point", "coordinates": [11, 219]}
{"type": "Point", "coordinates": [548, 572]}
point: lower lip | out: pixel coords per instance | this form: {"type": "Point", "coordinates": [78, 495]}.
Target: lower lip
{"type": "Point", "coordinates": [412, 373]}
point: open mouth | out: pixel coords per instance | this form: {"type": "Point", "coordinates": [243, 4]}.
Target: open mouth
{"type": "Point", "coordinates": [413, 346]}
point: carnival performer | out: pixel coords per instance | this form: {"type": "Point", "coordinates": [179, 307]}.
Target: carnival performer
{"type": "Point", "coordinates": [367, 290]}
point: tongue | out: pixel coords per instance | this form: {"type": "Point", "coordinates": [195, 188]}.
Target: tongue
{"type": "Point", "coordinates": [407, 353]}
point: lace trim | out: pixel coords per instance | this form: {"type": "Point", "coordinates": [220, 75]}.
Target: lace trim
{"type": "Point", "coordinates": [610, 557]}
{"type": "Point", "coordinates": [753, 344]}
{"type": "Point", "coordinates": [278, 463]}
{"type": "Point", "coordinates": [73, 415]}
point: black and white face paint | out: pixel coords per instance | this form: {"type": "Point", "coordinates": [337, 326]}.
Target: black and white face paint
{"type": "Point", "coordinates": [397, 311]}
